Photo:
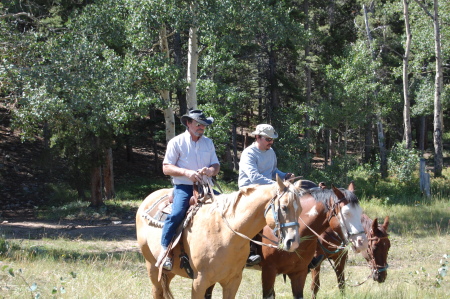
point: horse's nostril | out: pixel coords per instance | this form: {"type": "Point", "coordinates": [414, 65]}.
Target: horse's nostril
{"type": "Point", "coordinates": [288, 244]}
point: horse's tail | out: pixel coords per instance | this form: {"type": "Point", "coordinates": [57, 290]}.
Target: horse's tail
{"type": "Point", "coordinates": [167, 293]}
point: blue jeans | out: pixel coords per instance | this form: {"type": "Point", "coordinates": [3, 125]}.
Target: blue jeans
{"type": "Point", "coordinates": [181, 196]}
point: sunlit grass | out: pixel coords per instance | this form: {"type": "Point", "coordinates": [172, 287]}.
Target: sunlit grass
{"type": "Point", "coordinates": [74, 268]}
{"type": "Point", "coordinates": [413, 265]}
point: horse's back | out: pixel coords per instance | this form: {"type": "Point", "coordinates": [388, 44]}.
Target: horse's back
{"type": "Point", "coordinates": [141, 223]}
{"type": "Point", "coordinates": [152, 197]}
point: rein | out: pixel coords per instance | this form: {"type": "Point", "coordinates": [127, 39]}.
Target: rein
{"type": "Point", "coordinates": [318, 236]}
{"type": "Point", "coordinates": [278, 225]}
{"type": "Point", "coordinates": [373, 264]}
{"type": "Point", "coordinates": [333, 214]}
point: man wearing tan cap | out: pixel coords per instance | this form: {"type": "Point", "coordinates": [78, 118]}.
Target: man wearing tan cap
{"type": "Point", "coordinates": [258, 165]}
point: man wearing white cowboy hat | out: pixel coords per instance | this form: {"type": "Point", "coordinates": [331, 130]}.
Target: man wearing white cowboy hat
{"type": "Point", "coordinates": [189, 155]}
{"type": "Point", "coordinates": [258, 165]}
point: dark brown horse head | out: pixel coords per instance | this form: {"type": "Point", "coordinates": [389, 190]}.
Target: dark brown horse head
{"type": "Point", "coordinates": [378, 249]}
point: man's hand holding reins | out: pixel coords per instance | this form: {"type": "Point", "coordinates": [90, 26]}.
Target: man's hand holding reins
{"type": "Point", "coordinates": [193, 175]}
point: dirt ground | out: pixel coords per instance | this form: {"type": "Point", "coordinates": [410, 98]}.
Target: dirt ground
{"type": "Point", "coordinates": [117, 236]}
{"type": "Point", "coordinates": [24, 173]}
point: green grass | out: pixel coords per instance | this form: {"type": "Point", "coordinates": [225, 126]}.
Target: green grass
{"type": "Point", "coordinates": [64, 268]}
{"type": "Point", "coordinates": [413, 267]}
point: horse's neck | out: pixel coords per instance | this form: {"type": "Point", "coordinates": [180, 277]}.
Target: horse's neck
{"type": "Point", "coordinates": [315, 215]}
{"type": "Point", "coordinates": [249, 211]}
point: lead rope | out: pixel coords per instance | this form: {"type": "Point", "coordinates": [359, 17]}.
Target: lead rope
{"type": "Point", "coordinates": [245, 237]}
{"type": "Point", "coordinates": [318, 236]}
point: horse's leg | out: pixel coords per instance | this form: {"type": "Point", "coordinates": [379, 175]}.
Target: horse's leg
{"type": "Point", "coordinates": [160, 289]}
{"type": "Point", "coordinates": [339, 264]}
{"type": "Point", "coordinates": [315, 281]}
{"type": "Point", "coordinates": [268, 275]}
{"type": "Point", "coordinates": [232, 286]}
{"type": "Point", "coordinates": [201, 286]}
{"type": "Point", "coordinates": [298, 283]}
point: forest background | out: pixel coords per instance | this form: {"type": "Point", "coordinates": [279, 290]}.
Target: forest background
{"type": "Point", "coordinates": [91, 91]}
{"type": "Point", "coordinates": [354, 88]}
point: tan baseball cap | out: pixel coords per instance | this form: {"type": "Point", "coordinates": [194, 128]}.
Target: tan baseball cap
{"type": "Point", "coordinates": [265, 130]}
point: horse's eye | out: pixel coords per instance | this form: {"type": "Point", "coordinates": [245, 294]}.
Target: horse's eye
{"type": "Point", "coordinates": [284, 208]}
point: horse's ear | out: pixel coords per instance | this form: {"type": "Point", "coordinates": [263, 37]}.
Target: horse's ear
{"type": "Point", "coordinates": [351, 187]}
{"type": "Point", "coordinates": [337, 192]}
{"type": "Point", "coordinates": [341, 197]}
{"type": "Point", "coordinates": [386, 223]}
{"type": "Point", "coordinates": [281, 186]}
{"type": "Point", "coordinates": [375, 225]}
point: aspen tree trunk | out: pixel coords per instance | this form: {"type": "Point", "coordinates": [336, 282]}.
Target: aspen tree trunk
{"type": "Point", "coordinates": [381, 138]}
{"type": "Point", "coordinates": [180, 92]}
{"type": "Point", "coordinates": [438, 83]}
{"type": "Point", "coordinates": [191, 91]}
{"type": "Point", "coordinates": [169, 116]}
{"type": "Point", "coordinates": [406, 106]}
{"type": "Point", "coordinates": [438, 117]}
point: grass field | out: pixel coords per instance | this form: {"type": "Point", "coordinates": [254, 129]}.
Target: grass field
{"type": "Point", "coordinates": [62, 268]}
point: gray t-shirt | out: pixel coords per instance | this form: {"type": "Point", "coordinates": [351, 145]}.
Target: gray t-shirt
{"type": "Point", "coordinates": [258, 167]}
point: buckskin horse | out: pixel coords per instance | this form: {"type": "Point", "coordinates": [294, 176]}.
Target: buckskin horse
{"type": "Point", "coordinates": [217, 238]}
{"type": "Point", "coordinates": [376, 253]}
{"type": "Point", "coordinates": [322, 208]}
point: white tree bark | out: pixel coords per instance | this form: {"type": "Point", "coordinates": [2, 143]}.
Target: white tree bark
{"type": "Point", "coordinates": [191, 90]}
{"type": "Point", "coordinates": [380, 130]}
{"type": "Point", "coordinates": [406, 106]}
{"type": "Point", "coordinates": [438, 83]}
{"type": "Point", "coordinates": [168, 111]}
{"type": "Point", "coordinates": [438, 117]}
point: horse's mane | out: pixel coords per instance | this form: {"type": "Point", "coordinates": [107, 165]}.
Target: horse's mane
{"type": "Point", "coordinates": [323, 195]}
{"type": "Point", "coordinates": [350, 196]}
{"type": "Point", "coordinates": [226, 203]}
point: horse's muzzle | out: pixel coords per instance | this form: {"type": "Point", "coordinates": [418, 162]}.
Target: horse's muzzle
{"type": "Point", "coordinates": [359, 242]}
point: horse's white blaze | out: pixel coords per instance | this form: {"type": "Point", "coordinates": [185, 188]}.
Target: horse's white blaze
{"type": "Point", "coordinates": [313, 212]}
{"type": "Point", "coordinates": [295, 206]}
{"type": "Point", "coordinates": [352, 224]}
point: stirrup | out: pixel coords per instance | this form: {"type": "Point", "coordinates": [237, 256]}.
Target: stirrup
{"type": "Point", "coordinates": [168, 264]}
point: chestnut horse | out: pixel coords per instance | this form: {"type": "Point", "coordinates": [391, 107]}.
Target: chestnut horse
{"type": "Point", "coordinates": [322, 208]}
{"type": "Point", "coordinates": [376, 253]}
{"type": "Point", "coordinates": [217, 237]}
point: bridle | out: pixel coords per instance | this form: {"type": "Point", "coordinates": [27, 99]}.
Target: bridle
{"type": "Point", "coordinates": [373, 241]}
{"type": "Point", "coordinates": [278, 225]}
{"type": "Point", "coordinates": [348, 234]}
{"type": "Point", "coordinates": [333, 213]}
{"type": "Point", "coordinates": [275, 214]}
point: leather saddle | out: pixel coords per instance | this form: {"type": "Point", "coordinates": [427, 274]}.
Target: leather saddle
{"type": "Point", "coordinates": [157, 213]}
